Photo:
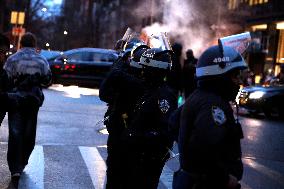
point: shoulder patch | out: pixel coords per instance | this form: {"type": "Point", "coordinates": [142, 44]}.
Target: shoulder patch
{"type": "Point", "coordinates": [164, 105]}
{"type": "Point", "coordinates": [218, 115]}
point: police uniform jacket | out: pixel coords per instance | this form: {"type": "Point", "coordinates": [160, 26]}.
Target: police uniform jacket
{"type": "Point", "coordinates": [149, 126]}
{"type": "Point", "coordinates": [209, 139]}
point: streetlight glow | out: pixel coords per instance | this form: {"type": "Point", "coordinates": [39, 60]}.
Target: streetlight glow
{"type": "Point", "coordinates": [65, 32]}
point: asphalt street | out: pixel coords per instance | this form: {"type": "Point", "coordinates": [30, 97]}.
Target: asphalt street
{"type": "Point", "coordinates": [70, 147]}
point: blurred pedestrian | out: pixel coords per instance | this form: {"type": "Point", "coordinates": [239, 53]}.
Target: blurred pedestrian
{"type": "Point", "coordinates": [174, 76]}
{"type": "Point", "coordinates": [188, 73]}
{"type": "Point", "coordinates": [146, 136]}
{"type": "Point", "coordinates": [251, 78]}
{"type": "Point", "coordinates": [4, 82]}
{"type": "Point", "coordinates": [28, 71]}
{"type": "Point", "coordinates": [209, 135]}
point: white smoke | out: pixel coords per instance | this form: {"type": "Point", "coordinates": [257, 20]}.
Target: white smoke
{"type": "Point", "coordinates": [196, 25]}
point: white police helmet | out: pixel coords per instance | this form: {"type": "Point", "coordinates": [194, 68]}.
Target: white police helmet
{"type": "Point", "coordinates": [157, 58]}
{"type": "Point", "coordinates": [217, 61]}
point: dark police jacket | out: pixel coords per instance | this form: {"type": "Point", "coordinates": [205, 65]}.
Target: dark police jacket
{"type": "Point", "coordinates": [149, 126]}
{"type": "Point", "coordinates": [120, 90]}
{"type": "Point", "coordinates": [209, 138]}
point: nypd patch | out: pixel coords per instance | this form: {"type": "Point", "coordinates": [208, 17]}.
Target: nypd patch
{"type": "Point", "coordinates": [164, 105]}
{"type": "Point", "coordinates": [218, 115]}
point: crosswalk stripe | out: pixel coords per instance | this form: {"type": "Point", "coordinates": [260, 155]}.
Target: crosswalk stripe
{"type": "Point", "coordinates": [95, 164]}
{"type": "Point", "coordinates": [278, 177]}
{"type": "Point", "coordinates": [34, 172]}
{"type": "Point", "coordinates": [244, 185]}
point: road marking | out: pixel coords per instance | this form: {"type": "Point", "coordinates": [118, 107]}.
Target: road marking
{"type": "Point", "coordinates": [167, 177]}
{"type": "Point", "coordinates": [96, 166]}
{"type": "Point", "coordinates": [32, 178]}
{"type": "Point", "coordinates": [278, 177]}
{"type": "Point", "coordinates": [245, 186]}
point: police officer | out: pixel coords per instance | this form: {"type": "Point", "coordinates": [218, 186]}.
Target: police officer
{"type": "Point", "coordinates": [146, 137]}
{"type": "Point", "coordinates": [120, 90]}
{"type": "Point", "coordinates": [209, 137]}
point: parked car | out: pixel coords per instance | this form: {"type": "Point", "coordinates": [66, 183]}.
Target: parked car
{"type": "Point", "coordinates": [258, 99]}
{"type": "Point", "coordinates": [50, 57]}
{"type": "Point", "coordinates": [83, 66]}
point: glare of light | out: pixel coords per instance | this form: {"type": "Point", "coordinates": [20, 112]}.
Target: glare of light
{"type": "Point", "coordinates": [44, 9]}
{"type": "Point", "coordinates": [280, 26]}
{"type": "Point", "coordinates": [261, 27]}
{"type": "Point", "coordinates": [57, 1]}
{"type": "Point", "coordinates": [47, 44]}
{"type": "Point", "coordinates": [75, 91]}
{"type": "Point", "coordinates": [11, 46]}
{"type": "Point", "coordinates": [257, 78]}
{"type": "Point", "coordinates": [270, 70]}
{"type": "Point", "coordinates": [256, 95]}
{"type": "Point", "coordinates": [104, 131]}
{"type": "Point", "coordinates": [65, 32]}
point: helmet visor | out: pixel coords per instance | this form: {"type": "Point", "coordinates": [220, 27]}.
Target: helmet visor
{"type": "Point", "coordinates": [239, 42]}
{"type": "Point", "coordinates": [156, 40]}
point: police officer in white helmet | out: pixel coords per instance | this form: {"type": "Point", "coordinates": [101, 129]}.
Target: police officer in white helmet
{"type": "Point", "coordinates": [209, 135]}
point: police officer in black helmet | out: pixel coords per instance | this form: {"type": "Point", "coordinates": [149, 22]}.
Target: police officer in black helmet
{"type": "Point", "coordinates": [209, 135]}
{"type": "Point", "coordinates": [121, 89]}
{"type": "Point", "coordinates": [146, 137]}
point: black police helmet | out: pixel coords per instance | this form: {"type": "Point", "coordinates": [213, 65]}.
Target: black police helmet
{"type": "Point", "coordinates": [136, 54]}
{"type": "Point", "coordinates": [217, 61]}
{"type": "Point", "coordinates": [157, 58]}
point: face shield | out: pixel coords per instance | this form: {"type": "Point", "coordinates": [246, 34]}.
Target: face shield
{"type": "Point", "coordinates": [239, 42]}
{"type": "Point", "coordinates": [132, 40]}
{"type": "Point", "coordinates": [156, 40]}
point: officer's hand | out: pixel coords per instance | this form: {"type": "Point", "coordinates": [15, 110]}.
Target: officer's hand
{"type": "Point", "coordinates": [232, 183]}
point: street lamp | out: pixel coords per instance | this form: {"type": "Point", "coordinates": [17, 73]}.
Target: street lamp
{"type": "Point", "coordinates": [47, 46]}
{"type": "Point", "coordinates": [44, 9]}
{"type": "Point", "coordinates": [65, 40]}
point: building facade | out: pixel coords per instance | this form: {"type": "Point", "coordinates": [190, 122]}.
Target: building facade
{"type": "Point", "coordinates": [265, 20]}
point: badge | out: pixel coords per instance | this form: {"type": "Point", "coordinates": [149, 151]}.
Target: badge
{"type": "Point", "coordinates": [164, 105]}
{"type": "Point", "coordinates": [218, 115]}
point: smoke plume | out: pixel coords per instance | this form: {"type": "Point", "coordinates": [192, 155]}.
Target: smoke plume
{"type": "Point", "coordinates": [196, 24]}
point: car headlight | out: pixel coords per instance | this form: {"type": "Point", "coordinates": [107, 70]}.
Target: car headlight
{"type": "Point", "coordinates": [256, 95]}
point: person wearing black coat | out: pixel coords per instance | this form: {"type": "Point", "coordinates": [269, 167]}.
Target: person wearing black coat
{"type": "Point", "coordinates": [209, 135]}
{"type": "Point", "coordinates": [120, 90]}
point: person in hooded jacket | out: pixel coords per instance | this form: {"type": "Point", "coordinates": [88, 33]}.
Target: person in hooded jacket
{"type": "Point", "coordinates": [209, 135]}
{"type": "Point", "coordinates": [28, 71]}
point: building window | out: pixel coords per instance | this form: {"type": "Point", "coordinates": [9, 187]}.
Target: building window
{"type": "Point", "coordinates": [280, 53]}
{"type": "Point", "coordinates": [259, 27]}
{"type": "Point", "coordinates": [232, 4]}
{"type": "Point", "coordinates": [256, 2]}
